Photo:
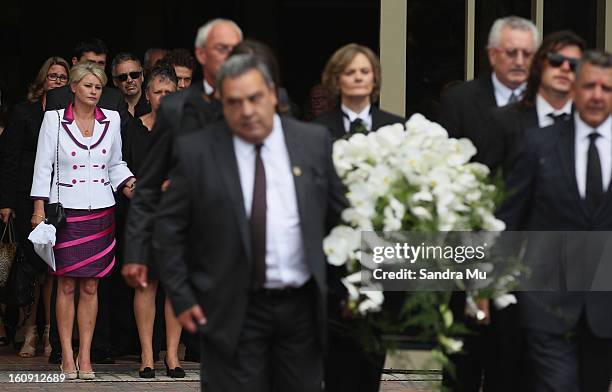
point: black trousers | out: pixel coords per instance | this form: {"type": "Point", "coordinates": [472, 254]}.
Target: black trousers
{"type": "Point", "coordinates": [578, 361]}
{"type": "Point", "coordinates": [348, 367]}
{"type": "Point", "coordinates": [278, 348]}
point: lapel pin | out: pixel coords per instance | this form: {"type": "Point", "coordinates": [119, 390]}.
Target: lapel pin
{"type": "Point", "coordinates": [297, 171]}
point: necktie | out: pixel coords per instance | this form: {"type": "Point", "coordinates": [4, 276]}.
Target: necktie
{"type": "Point", "coordinates": [357, 126]}
{"type": "Point", "coordinates": [513, 98]}
{"type": "Point", "coordinates": [594, 186]}
{"type": "Point", "coordinates": [258, 221]}
{"type": "Point", "coordinates": [557, 118]}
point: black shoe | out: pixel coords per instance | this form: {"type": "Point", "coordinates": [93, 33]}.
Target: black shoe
{"type": "Point", "coordinates": [177, 372]}
{"type": "Point", "coordinates": [147, 373]}
{"type": "Point", "coordinates": [55, 357]}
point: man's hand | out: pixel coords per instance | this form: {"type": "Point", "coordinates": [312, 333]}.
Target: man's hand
{"type": "Point", "coordinates": [191, 318]}
{"type": "Point", "coordinates": [483, 306]}
{"type": "Point", "coordinates": [5, 213]}
{"type": "Point", "coordinates": [135, 274]}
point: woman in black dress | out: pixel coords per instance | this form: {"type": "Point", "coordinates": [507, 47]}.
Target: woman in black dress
{"type": "Point", "coordinates": [21, 138]}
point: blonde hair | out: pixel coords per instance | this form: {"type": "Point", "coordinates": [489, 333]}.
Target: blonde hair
{"type": "Point", "coordinates": [337, 64]}
{"type": "Point", "coordinates": [79, 71]}
{"type": "Point", "coordinates": [36, 89]}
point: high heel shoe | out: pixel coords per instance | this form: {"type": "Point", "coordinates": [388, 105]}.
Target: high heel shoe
{"type": "Point", "coordinates": [46, 343]}
{"type": "Point", "coordinates": [177, 372]}
{"type": "Point", "coordinates": [84, 374]}
{"type": "Point", "coordinates": [146, 373]}
{"type": "Point", "coordinates": [28, 350]}
{"type": "Point", "coordinates": [69, 375]}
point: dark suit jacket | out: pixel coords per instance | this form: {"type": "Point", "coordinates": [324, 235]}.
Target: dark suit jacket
{"type": "Point", "coordinates": [465, 111]}
{"type": "Point", "coordinates": [202, 238]}
{"type": "Point", "coordinates": [181, 112]}
{"type": "Point", "coordinates": [333, 121]}
{"type": "Point", "coordinates": [543, 196]}
{"type": "Point", "coordinates": [111, 99]}
{"type": "Point", "coordinates": [510, 123]}
{"type": "Point", "coordinates": [19, 152]}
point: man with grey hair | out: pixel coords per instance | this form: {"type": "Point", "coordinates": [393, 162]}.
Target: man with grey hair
{"type": "Point", "coordinates": [184, 111]}
{"type": "Point", "coordinates": [466, 111]}
{"type": "Point", "coordinates": [239, 235]}
{"type": "Point", "coordinates": [562, 182]}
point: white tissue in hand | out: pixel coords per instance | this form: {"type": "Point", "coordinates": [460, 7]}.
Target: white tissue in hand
{"type": "Point", "coordinates": [43, 238]}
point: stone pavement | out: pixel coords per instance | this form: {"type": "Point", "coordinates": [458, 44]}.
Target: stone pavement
{"type": "Point", "coordinates": [21, 374]}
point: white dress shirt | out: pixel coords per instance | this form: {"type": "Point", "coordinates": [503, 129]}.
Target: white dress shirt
{"type": "Point", "coordinates": [208, 89]}
{"type": "Point", "coordinates": [543, 109]}
{"type": "Point", "coordinates": [503, 93]}
{"type": "Point", "coordinates": [285, 260]}
{"type": "Point", "coordinates": [364, 115]}
{"type": "Point", "coordinates": [604, 148]}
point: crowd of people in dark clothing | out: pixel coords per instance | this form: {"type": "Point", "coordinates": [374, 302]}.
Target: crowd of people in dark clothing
{"type": "Point", "coordinates": [107, 154]}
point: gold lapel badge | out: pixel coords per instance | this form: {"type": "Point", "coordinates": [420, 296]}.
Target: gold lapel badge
{"type": "Point", "coordinates": [297, 171]}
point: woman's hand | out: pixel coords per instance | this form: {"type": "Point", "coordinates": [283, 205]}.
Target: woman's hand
{"type": "Point", "coordinates": [38, 215]}
{"type": "Point", "coordinates": [6, 213]}
{"type": "Point", "coordinates": [37, 219]}
{"type": "Point", "coordinates": [129, 188]}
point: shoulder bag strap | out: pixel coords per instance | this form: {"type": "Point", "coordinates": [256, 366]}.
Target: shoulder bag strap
{"type": "Point", "coordinates": [57, 156]}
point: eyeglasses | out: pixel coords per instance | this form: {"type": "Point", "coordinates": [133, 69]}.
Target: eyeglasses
{"type": "Point", "coordinates": [124, 77]}
{"type": "Point", "coordinates": [556, 60]}
{"type": "Point", "coordinates": [55, 77]}
{"type": "Point", "coordinates": [513, 53]}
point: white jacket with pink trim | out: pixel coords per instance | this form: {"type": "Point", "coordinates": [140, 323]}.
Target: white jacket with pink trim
{"type": "Point", "coordinates": [88, 167]}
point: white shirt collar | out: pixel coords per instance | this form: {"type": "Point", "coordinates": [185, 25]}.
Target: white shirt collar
{"type": "Point", "coordinates": [543, 109]}
{"type": "Point", "coordinates": [583, 130]}
{"type": "Point", "coordinates": [274, 141]}
{"type": "Point", "coordinates": [364, 115]}
{"type": "Point", "coordinates": [208, 89]}
{"type": "Point", "coordinates": [503, 93]}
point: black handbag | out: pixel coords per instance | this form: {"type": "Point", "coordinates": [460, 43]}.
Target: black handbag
{"type": "Point", "coordinates": [54, 212]}
{"type": "Point", "coordinates": [22, 281]}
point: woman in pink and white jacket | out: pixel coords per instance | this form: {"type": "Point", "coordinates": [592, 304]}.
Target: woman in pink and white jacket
{"type": "Point", "coordinates": [86, 143]}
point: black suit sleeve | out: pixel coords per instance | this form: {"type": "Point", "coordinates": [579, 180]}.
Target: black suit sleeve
{"type": "Point", "coordinates": [12, 146]}
{"type": "Point", "coordinates": [171, 236]}
{"type": "Point", "coordinates": [449, 116]}
{"type": "Point", "coordinates": [519, 188]}
{"type": "Point", "coordinates": [153, 170]}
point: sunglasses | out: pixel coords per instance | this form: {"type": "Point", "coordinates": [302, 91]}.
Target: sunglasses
{"type": "Point", "coordinates": [556, 60]}
{"type": "Point", "coordinates": [124, 77]}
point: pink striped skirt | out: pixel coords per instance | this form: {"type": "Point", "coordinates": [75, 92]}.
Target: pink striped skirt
{"type": "Point", "coordinates": [85, 246]}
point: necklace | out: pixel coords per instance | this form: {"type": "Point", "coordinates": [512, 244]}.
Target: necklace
{"type": "Point", "coordinates": [85, 130]}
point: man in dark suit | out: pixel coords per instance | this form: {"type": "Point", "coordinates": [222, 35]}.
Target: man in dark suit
{"type": "Point", "coordinates": [238, 238]}
{"type": "Point", "coordinates": [184, 111]}
{"type": "Point", "coordinates": [547, 97]}
{"type": "Point", "coordinates": [92, 50]}
{"type": "Point", "coordinates": [561, 181]}
{"type": "Point", "coordinates": [466, 112]}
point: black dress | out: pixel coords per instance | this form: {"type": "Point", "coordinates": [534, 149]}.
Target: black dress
{"type": "Point", "coordinates": [20, 140]}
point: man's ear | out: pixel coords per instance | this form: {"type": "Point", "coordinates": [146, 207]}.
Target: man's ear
{"type": "Point", "coordinates": [200, 55]}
